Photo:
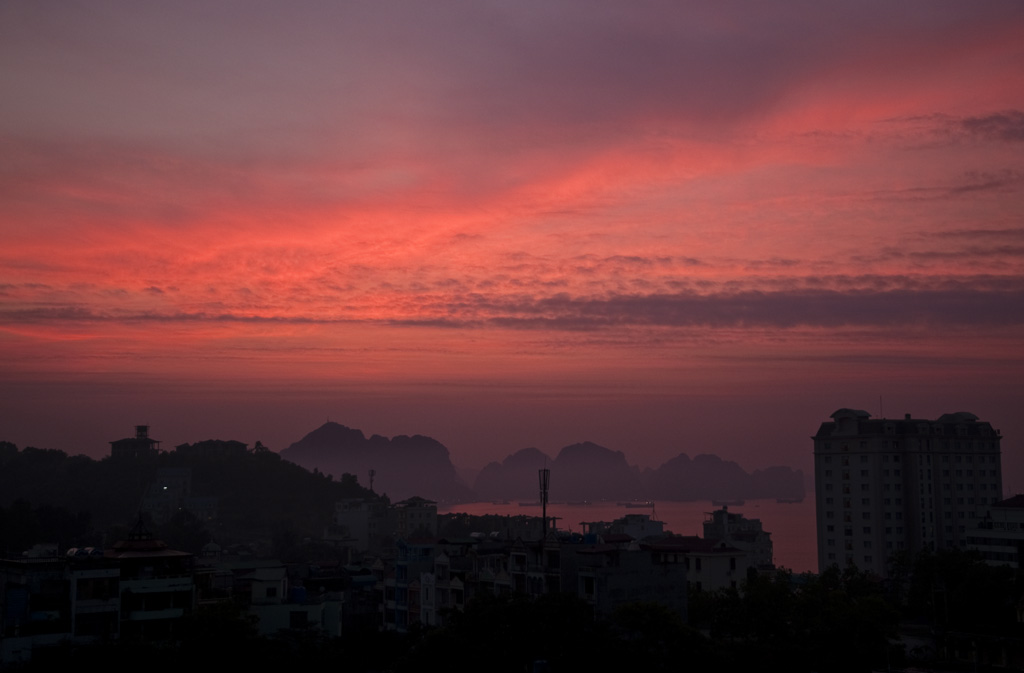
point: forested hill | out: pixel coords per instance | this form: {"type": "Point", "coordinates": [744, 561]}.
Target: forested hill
{"type": "Point", "coordinates": [256, 492]}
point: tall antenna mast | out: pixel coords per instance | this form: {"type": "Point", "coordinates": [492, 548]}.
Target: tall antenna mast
{"type": "Point", "coordinates": [545, 481]}
{"type": "Point", "coordinates": [373, 473]}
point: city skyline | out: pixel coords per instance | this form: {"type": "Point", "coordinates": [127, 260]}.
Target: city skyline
{"type": "Point", "coordinates": [659, 228]}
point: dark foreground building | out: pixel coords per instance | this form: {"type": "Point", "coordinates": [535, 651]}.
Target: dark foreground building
{"type": "Point", "coordinates": [888, 485]}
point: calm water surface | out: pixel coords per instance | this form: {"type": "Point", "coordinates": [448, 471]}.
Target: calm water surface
{"type": "Point", "coordinates": [791, 525]}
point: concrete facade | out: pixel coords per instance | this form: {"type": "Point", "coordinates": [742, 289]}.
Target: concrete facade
{"type": "Point", "coordinates": [901, 485]}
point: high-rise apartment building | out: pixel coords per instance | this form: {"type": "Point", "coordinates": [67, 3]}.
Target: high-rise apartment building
{"type": "Point", "coordinates": [887, 485]}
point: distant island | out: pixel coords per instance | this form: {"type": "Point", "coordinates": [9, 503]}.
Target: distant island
{"type": "Point", "coordinates": [405, 466]}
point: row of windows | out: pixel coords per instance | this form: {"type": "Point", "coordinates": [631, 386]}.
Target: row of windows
{"type": "Point", "coordinates": [866, 515]}
{"type": "Point", "coordinates": [865, 474]}
{"type": "Point", "coordinates": [899, 487]}
{"type": "Point", "coordinates": [866, 530]}
{"type": "Point", "coordinates": [992, 542]}
{"type": "Point", "coordinates": [958, 445]}
{"type": "Point", "coordinates": [896, 458]}
{"type": "Point", "coordinates": [888, 516]}
{"type": "Point", "coordinates": [866, 502]}
{"type": "Point", "coordinates": [868, 560]}
{"type": "Point", "coordinates": [830, 542]}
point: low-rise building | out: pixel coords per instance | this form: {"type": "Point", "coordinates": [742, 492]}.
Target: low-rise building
{"type": "Point", "coordinates": [740, 532]}
{"type": "Point", "coordinates": [999, 536]}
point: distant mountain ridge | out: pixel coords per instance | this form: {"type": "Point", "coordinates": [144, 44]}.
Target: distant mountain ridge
{"type": "Point", "coordinates": [403, 465]}
{"type": "Point", "coordinates": [417, 465]}
{"type": "Point", "coordinates": [587, 471]}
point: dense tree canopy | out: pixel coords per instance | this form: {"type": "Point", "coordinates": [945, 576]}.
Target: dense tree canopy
{"type": "Point", "coordinates": [48, 496]}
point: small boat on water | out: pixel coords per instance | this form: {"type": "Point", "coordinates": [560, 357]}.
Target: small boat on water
{"type": "Point", "coordinates": [637, 504]}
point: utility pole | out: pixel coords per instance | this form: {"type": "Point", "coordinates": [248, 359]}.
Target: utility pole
{"type": "Point", "coordinates": [545, 481]}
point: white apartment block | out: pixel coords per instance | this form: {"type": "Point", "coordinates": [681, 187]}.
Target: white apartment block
{"type": "Point", "coordinates": [901, 485]}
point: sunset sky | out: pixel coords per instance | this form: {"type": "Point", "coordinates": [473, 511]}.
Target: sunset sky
{"type": "Point", "coordinates": [660, 226]}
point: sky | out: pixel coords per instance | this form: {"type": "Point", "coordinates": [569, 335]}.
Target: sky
{"type": "Point", "coordinates": [662, 227]}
